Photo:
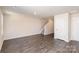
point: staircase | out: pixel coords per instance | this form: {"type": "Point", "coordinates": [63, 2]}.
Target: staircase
{"type": "Point", "coordinates": [44, 22]}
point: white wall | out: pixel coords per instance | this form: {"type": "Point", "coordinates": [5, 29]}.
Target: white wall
{"type": "Point", "coordinates": [75, 27]}
{"type": "Point", "coordinates": [61, 26]}
{"type": "Point", "coordinates": [18, 25]}
{"type": "Point", "coordinates": [1, 29]}
{"type": "Point", "coordinates": [49, 27]}
{"type": "Point", "coordinates": [66, 26]}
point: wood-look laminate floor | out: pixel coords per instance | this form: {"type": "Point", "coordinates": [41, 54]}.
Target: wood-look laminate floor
{"type": "Point", "coordinates": [38, 44]}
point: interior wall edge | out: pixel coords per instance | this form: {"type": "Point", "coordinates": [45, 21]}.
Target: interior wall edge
{"type": "Point", "coordinates": [1, 29]}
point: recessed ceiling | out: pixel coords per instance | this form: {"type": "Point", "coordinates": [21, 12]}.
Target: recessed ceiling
{"type": "Point", "coordinates": [42, 11]}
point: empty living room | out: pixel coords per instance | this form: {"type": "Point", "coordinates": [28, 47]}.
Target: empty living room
{"type": "Point", "coordinates": [39, 29]}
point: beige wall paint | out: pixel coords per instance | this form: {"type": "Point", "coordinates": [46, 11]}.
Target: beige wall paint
{"type": "Point", "coordinates": [49, 27]}
{"type": "Point", "coordinates": [18, 25]}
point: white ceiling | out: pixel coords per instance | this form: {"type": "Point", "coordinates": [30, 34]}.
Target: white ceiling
{"type": "Point", "coordinates": [42, 11]}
